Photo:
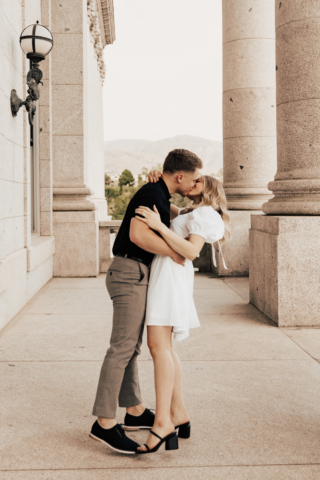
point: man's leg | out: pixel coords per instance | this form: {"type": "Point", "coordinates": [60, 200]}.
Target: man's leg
{"type": "Point", "coordinates": [128, 292]}
{"type": "Point", "coordinates": [137, 415]}
{"type": "Point", "coordinates": [130, 388]}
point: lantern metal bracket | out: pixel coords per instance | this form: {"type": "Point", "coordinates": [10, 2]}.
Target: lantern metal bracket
{"type": "Point", "coordinates": [34, 77]}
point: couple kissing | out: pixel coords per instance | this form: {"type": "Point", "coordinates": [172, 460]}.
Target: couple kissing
{"type": "Point", "coordinates": [150, 282]}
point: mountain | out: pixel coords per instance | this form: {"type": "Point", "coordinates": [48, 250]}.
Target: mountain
{"type": "Point", "coordinates": [136, 154]}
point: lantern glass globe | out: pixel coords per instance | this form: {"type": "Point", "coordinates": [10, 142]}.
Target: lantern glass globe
{"type": "Point", "coordinates": [36, 39]}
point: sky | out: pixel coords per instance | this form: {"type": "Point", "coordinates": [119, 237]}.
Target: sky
{"type": "Point", "coordinates": [164, 70]}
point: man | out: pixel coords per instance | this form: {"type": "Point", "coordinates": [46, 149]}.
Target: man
{"type": "Point", "coordinates": [127, 283]}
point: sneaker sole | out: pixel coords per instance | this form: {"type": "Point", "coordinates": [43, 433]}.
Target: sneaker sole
{"type": "Point", "coordinates": [110, 446]}
{"type": "Point", "coordinates": [132, 429]}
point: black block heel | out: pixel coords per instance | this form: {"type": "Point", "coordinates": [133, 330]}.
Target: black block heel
{"type": "Point", "coordinates": [184, 430]}
{"type": "Point", "coordinates": [172, 443]}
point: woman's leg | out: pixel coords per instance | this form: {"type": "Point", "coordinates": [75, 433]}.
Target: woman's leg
{"type": "Point", "coordinates": [159, 343]}
{"type": "Point", "coordinates": [178, 410]}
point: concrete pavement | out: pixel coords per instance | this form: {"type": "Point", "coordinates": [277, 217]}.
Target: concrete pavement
{"type": "Point", "coordinates": [252, 390]}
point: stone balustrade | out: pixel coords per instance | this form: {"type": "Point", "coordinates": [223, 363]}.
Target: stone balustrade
{"type": "Point", "coordinates": [204, 262]}
{"type": "Point", "coordinates": [104, 242]}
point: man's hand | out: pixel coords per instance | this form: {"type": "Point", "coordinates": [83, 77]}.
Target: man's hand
{"type": "Point", "coordinates": [179, 259]}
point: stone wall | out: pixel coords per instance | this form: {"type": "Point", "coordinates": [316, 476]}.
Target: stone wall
{"type": "Point", "coordinates": [70, 123]}
{"type": "Point", "coordinates": [25, 261]}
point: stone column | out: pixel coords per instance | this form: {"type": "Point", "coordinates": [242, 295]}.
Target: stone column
{"type": "Point", "coordinates": [285, 244]}
{"type": "Point", "coordinates": [74, 217]}
{"type": "Point", "coordinates": [249, 119]}
{"type": "Point", "coordinates": [79, 28]}
{"type": "Point", "coordinates": [297, 183]}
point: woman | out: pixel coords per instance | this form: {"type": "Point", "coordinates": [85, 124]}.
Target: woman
{"type": "Point", "coordinates": [170, 306]}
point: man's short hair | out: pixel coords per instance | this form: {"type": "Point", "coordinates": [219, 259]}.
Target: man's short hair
{"type": "Point", "coordinates": [181, 160]}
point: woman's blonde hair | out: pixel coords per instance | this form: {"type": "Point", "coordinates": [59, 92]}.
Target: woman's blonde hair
{"type": "Point", "coordinates": [213, 196]}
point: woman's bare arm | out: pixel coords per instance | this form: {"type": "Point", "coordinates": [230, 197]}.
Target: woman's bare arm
{"type": "Point", "coordinates": [187, 248]}
{"type": "Point", "coordinates": [148, 240]}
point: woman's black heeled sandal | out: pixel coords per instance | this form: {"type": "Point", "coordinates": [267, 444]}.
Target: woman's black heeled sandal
{"type": "Point", "coordinates": [184, 430]}
{"type": "Point", "coordinates": [171, 443]}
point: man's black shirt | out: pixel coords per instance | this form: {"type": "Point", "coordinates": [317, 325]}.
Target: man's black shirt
{"type": "Point", "coordinates": [149, 195]}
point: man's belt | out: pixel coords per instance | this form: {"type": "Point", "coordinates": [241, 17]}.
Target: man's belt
{"type": "Point", "coordinates": [125, 255]}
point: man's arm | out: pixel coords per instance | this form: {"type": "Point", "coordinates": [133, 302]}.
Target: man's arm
{"type": "Point", "coordinates": [148, 240]}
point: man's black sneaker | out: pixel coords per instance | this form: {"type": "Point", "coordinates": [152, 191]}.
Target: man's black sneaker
{"type": "Point", "coordinates": [114, 437]}
{"type": "Point", "coordinates": [143, 422]}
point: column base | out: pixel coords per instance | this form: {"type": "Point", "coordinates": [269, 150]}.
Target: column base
{"type": "Point", "coordinates": [76, 244]}
{"type": "Point", "coordinates": [241, 198]}
{"type": "Point", "coordinates": [284, 269]}
{"type": "Point", "coordinates": [294, 197]}
{"type": "Point", "coordinates": [236, 250]}
{"type": "Point", "coordinates": [72, 199]}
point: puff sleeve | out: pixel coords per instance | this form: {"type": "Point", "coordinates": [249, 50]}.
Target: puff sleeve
{"type": "Point", "coordinates": [207, 223]}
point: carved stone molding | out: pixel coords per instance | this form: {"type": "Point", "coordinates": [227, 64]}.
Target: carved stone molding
{"type": "Point", "coordinates": [108, 21]}
{"type": "Point", "coordinates": [102, 30]}
{"type": "Point", "coordinates": [72, 199]}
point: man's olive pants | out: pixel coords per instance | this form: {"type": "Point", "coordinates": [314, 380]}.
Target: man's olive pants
{"type": "Point", "coordinates": [127, 283]}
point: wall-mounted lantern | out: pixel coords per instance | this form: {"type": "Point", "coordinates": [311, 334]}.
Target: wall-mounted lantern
{"type": "Point", "coordinates": [36, 41]}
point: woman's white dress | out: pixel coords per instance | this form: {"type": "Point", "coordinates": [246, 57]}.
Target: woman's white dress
{"type": "Point", "coordinates": [170, 292]}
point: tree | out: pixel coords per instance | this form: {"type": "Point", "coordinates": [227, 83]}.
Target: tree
{"type": "Point", "coordinates": [120, 207]}
{"type": "Point", "coordinates": [121, 202]}
{"type": "Point", "coordinates": [107, 179]}
{"type": "Point", "coordinates": [112, 192]}
{"type": "Point", "coordinates": [126, 178]}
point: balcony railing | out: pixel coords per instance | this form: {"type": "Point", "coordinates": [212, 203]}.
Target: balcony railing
{"type": "Point", "coordinates": [107, 232]}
